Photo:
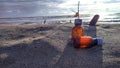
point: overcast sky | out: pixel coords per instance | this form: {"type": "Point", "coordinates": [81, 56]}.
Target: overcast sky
{"type": "Point", "coordinates": [16, 8]}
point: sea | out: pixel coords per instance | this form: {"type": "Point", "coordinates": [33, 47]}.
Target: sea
{"type": "Point", "coordinates": [14, 11]}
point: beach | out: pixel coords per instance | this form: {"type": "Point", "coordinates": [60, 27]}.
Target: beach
{"type": "Point", "coordinates": [49, 46]}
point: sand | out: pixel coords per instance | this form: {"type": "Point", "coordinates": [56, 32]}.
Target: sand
{"type": "Point", "coordinates": [49, 46]}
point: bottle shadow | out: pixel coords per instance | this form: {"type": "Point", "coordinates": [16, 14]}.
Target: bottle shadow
{"type": "Point", "coordinates": [91, 31]}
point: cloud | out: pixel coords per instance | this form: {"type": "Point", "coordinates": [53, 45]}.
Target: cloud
{"type": "Point", "coordinates": [47, 7]}
{"type": "Point", "coordinates": [57, 1]}
{"type": "Point", "coordinates": [29, 8]}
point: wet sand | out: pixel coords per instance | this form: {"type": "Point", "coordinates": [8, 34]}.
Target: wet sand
{"type": "Point", "coordinates": [49, 46]}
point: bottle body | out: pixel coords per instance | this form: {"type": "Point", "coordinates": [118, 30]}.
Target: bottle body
{"type": "Point", "coordinates": [85, 42]}
{"type": "Point", "coordinates": [77, 31]}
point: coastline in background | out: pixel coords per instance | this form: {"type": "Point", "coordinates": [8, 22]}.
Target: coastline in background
{"type": "Point", "coordinates": [108, 19]}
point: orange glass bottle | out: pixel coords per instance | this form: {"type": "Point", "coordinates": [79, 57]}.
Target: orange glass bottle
{"type": "Point", "coordinates": [87, 42]}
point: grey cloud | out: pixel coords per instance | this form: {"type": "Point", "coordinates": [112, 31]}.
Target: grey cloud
{"type": "Point", "coordinates": [57, 1]}
{"type": "Point", "coordinates": [8, 9]}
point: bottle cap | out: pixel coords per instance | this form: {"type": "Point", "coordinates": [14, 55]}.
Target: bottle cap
{"type": "Point", "coordinates": [99, 41]}
{"type": "Point", "coordinates": [78, 22]}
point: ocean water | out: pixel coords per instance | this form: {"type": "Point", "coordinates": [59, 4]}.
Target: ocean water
{"type": "Point", "coordinates": [24, 11]}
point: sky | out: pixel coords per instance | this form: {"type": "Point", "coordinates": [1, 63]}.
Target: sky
{"type": "Point", "coordinates": [23, 8]}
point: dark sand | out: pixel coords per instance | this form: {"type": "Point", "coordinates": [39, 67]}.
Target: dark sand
{"type": "Point", "coordinates": [49, 46]}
